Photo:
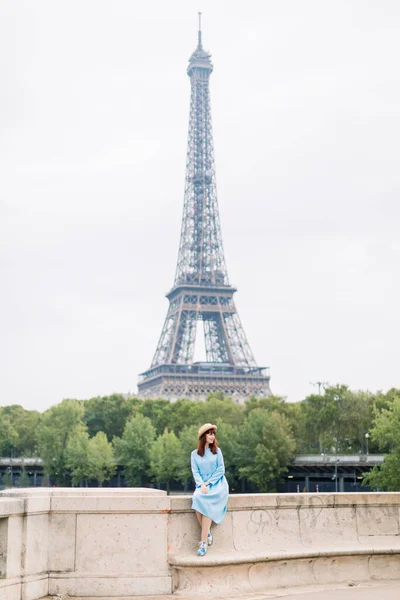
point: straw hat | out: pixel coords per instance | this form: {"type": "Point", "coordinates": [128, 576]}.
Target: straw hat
{"type": "Point", "coordinates": [205, 428]}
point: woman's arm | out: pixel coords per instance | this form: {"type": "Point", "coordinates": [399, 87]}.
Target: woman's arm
{"type": "Point", "coordinates": [219, 471]}
{"type": "Point", "coordinates": [196, 471]}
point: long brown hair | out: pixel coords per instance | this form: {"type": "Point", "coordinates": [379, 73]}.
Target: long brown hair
{"type": "Point", "coordinates": [202, 444]}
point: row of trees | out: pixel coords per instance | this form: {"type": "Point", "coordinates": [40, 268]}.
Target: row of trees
{"type": "Point", "coordinates": [151, 440]}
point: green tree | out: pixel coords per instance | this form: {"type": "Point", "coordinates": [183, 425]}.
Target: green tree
{"type": "Point", "coordinates": [58, 425]}
{"type": "Point", "coordinates": [7, 480]}
{"type": "Point", "coordinates": [25, 423]}
{"type": "Point", "coordinates": [101, 461]}
{"type": "Point", "coordinates": [109, 414]}
{"type": "Point", "coordinates": [228, 440]}
{"type": "Point", "coordinates": [360, 418]}
{"type": "Point", "coordinates": [158, 411]}
{"type": "Point", "coordinates": [271, 403]}
{"type": "Point", "coordinates": [24, 481]}
{"type": "Point", "coordinates": [265, 448]}
{"type": "Point", "coordinates": [386, 476]}
{"type": "Point", "coordinates": [76, 455]}
{"type": "Point", "coordinates": [296, 418]}
{"type": "Point", "coordinates": [184, 413]}
{"type": "Point", "coordinates": [386, 434]}
{"type": "Point", "coordinates": [45, 481]}
{"type": "Point", "coordinates": [291, 410]}
{"type": "Point", "coordinates": [216, 410]}
{"type": "Point", "coordinates": [188, 442]}
{"type": "Point", "coordinates": [132, 451]}
{"type": "Point", "coordinates": [327, 419]}
{"type": "Point", "coordinates": [8, 435]}
{"type": "Point", "coordinates": [164, 458]}
{"type": "Point", "coordinates": [386, 400]}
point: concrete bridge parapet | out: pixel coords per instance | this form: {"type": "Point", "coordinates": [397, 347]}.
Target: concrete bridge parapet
{"type": "Point", "coordinates": [125, 542]}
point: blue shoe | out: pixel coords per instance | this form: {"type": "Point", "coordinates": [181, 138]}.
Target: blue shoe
{"type": "Point", "coordinates": [202, 549]}
{"type": "Point", "coordinates": [210, 538]}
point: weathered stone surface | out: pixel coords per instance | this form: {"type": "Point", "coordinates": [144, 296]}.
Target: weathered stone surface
{"type": "Point", "coordinates": [385, 567]}
{"type": "Point", "coordinates": [81, 492]}
{"type": "Point", "coordinates": [377, 520]}
{"type": "Point", "coordinates": [321, 527]}
{"type": "Point", "coordinates": [10, 590]}
{"type": "Point", "coordinates": [339, 569]}
{"type": "Point", "coordinates": [35, 587]}
{"type": "Point", "coordinates": [265, 530]}
{"type": "Point", "coordinates": [367, 499]}
{"type": "Point", "coordinates": [100, 587]}
{"type": "Point", "coordinates": [122, 544]}
{"type": "Point", "coordinates": [62, 540]}
{"type": "Point", "coordinates": [3, 547]}
{"type": "Point", "coordinates": [363, 591]}
{"type": "Point", "coordinates": [125, 543]}
{"type": "Point", "coordinates": [11, 506]}
{"type": "Point", "coordinates": [108, 503]}
{"type": "Point", "coordinates": [14, 547]}
{"type": "Point", "coordinates": [264, 576]}
{"type": "Point", "coordinates": [36, 544]}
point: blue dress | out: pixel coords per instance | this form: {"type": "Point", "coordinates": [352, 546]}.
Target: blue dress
{"type": "Point", "coordinates": [211, 468]}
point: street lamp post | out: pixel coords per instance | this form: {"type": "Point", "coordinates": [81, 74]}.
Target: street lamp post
{"type": "Point", "coordinates": [319, 384]}
{"type": "Point", "coordinates": [367, 437]}
{"type": "Point", "coordinates": [336, 465]}
{"type": "Point", "coordinates": [336, 474]}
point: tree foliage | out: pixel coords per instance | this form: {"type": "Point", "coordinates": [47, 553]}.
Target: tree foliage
{"type": "Point", "coordinates": [18, 431]}
{"type": "Point", "coordinates": [339, 419]}
{"type": "Point", "coordinates": [108, 414]}
{"type": "Point", "coordinates": [265, 448]}
{"type": "Point", "coordinates": [24, 479]}
{"type": "Point", "coordinates": [164, 458]}
{"type": "Point", "coordinates": [187, 439]}
{"type": "Point", "coordinates": [386, 434]}
{"type": "Point", "coordinates": [58, 425]}
{"type": "Point", "coordinates": [77, 455]}
{"type": "Point", "coordinates": [81, 442]}
{"type": "Point", "coordinates": [132, 450]}
{"type": "Point", "coordinates": [101, 461]}
{"type": "Point", "coordinates": [9, 437]}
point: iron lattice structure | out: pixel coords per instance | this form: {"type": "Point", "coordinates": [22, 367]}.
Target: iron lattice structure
{"type": "Point", "coordinates": [201, 288]}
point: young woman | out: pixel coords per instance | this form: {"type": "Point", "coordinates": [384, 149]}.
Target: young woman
{"type": "Point", "coordinates": [211, 494]}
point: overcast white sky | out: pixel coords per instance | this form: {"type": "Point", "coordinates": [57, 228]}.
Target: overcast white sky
{"type": "Point", "coordinates": [93, 126]}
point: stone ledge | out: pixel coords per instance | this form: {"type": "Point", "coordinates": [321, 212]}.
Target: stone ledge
{"type": "Point", "coordinates": [131, 542]}
{"type": "Point", "coordinates": [11, 506]}
{"type": "Point", "coordinates": [263, 577]}
{"type": "Point", "coordinates": [109, 586]}
{"type": "Point", "coordinates": [78, 500]}
{"type": "Point", "coordinates": [54, 492]}
{"type": "Point", "coordinates": [109, 504]}
{"type": "Point", "coordinates": [231, 559]}
{"type": "Point", "coordinates": [106, 575]}
{"type": "Point", "coordinates": [244, 502]}
{"type": "Point", "coordinates": [23, 579]}
{"type": "Point", "coordinates": [372, 590]}
{"type": "Point", "coordinates": [29, 587]}
{"type": "Point", "coordinates": [9, 582]}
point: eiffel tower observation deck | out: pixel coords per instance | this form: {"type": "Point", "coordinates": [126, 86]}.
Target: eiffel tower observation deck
{"type": "Point", "coordinates": [201, 290]}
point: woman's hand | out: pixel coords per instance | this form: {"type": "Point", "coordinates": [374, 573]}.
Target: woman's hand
{"type": "Point", "coordinates": [204, 489]}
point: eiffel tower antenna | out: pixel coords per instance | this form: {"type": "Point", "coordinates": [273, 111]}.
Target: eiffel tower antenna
{"type": "Point", "coordinates": [199, 34]}
{"type": "Point", "coordinates": [201, 290]}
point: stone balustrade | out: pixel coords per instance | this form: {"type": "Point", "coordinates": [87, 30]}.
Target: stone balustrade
{"type": "Point", "coordinates": [124, 542]}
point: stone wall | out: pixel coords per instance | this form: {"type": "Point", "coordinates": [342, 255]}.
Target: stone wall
{"type": "Point", "coordinates": [125, 542]}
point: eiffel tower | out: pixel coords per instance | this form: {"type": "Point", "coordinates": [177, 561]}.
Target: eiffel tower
{"type": "Point", "coordinates": [201, 289]}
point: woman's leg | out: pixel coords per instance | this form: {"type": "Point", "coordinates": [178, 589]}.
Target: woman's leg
{"type": "Point", "coordinates": [199, 517]}
{"type": "Point", "coordinates": [205, 528]}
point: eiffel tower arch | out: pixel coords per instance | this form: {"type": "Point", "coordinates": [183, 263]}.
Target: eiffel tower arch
{"type": "Point", "coordinates": [201, 290]}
